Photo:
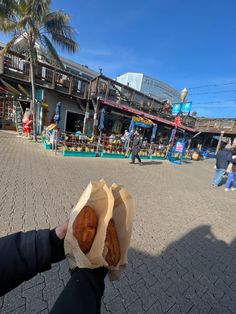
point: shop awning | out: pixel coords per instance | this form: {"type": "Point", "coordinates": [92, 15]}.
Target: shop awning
{"type": "Point", "coordinates": [9, 88]}
{"type": "Point", "coordinates": [143, 114]}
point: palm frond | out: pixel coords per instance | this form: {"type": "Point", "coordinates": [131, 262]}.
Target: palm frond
{"type": "Point", "coordinates": [22, 4]}
{"type": "Point", "coordinates": [33, 23]}
{"type": "Point", "coordinates": [34, 28]}
{"type": "Point", "coordinates": [38, 9]}
{"type": "Point", "coordinates": [7, 26]}
{"type": "Point", "coordinates": [8, 8]}
{"type": "Point", "coordinates": [57, 25]}
{"type": "Point", "coordinates": [55, 20]}
{"type": "Point", "coordinates": [51, 50]}
{"type": "Point", "coordinates": [65, 43]}
{"type": "Point", "coordinates": [23, 21]}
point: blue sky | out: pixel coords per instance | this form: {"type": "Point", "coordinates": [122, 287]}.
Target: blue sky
{"type": "Point", "coordinates": [185, 43]}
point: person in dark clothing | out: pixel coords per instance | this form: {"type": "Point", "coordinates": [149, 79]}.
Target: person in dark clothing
{"type": "Point", "coordinates": [223, 158]}
{"type": "Point", "coordinates": [231, 181]}
{"type": "Point", "coordinates": [23, 255]}
{"type": "Point", "coordinates": [136, 147]}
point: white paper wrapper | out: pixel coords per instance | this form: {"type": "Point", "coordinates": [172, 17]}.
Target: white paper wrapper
{"type": "Point", "coordinates": [123, 215]}
{"type": "Point", "coordinates": [114, 202]}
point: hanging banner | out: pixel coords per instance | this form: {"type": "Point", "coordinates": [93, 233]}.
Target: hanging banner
{"type": "Point", "coordinates": [141, 122]}
{"type": "Point", "coordinates": [172, 136]}
{"type": "Point", "coordinates": [154, 131]}
{"type": "Point", "coordinates": [18, 112]}
{"type": "Point", "coordinates": [186, 108]}
{"type": "Point", "coordinates": [179, 147]}
{"type": "Point", "coordinates": [176, 109]}
{"type": "Point", "coordinates": [102, 118]}
{"type": "Point", "coordinates": [181, 108]}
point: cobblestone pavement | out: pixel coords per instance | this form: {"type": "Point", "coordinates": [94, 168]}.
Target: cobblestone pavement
{"type": "Point", "coordinates": [183, 251]}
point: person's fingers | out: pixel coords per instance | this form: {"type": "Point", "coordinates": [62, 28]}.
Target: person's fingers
{"type": "Point", "coordinates": [61, 230]}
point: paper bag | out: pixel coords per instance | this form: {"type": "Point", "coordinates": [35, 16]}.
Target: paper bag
{"type": "Point", "coordinates": [115, 203]}
{"type": "Point", "coordinates": [123, 215]}
{"type": "Point", "coordinates": [98, 196]}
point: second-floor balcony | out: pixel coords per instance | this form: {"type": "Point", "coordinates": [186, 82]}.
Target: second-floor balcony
{"type": "Point", "coordinates": [114, 92]}
{"type": "Point", "coordinates": [208, 125]}
{"type": "Point", "coordinates": [15, 66]}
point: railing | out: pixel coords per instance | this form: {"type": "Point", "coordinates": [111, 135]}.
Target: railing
{"type": "Point", "coordinates": [116, 92]}
{"type": "Point", "coordinates": [18, 68]}
{"type": "Point", "coordinates": [108, 147]}
{"type": "Point", "coordinates": [216, 125]}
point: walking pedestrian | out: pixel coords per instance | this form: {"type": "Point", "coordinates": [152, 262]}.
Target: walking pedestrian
{"type": "Point", "coordinates": [231, 181]}
{"type": "Point", "coordinates": [223, 159]}
{"type": "Point", "coordinates": [136, 147]}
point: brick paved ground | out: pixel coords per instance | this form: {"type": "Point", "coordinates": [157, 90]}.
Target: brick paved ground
{"type": "Point", "coordinates": [183, 253]}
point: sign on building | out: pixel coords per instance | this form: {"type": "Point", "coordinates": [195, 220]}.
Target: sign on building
{"type": "Point", "coordinates": [186, 108]}
{"type": "Point", "coordinates": [176, 109]}
{"type": "Point", "coordinates": [181, 108]}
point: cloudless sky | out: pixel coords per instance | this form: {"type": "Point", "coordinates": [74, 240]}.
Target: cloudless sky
{"type": "Point", "coordinates": [185, 43]}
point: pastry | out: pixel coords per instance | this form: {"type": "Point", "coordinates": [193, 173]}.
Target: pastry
{"type": "Point", "coordinates": [85, 228]}
{"type": "Point", "coordinates": [112, 246]}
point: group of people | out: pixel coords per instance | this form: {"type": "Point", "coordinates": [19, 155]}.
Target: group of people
{"type": "Point", "coordinates": [226, 165]}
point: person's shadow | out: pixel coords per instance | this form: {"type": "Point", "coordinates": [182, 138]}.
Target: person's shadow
{"type": "Point", "coordinates": [196, 274]}
{"type": "Point", "coordinates": [151, 163]}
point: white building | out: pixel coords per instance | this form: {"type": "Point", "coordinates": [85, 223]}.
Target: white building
{"type": "Point", "coordinates": [150, 86]}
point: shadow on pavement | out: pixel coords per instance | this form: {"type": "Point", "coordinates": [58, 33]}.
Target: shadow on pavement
{"type": "Point", "coordinates": [223, 180]}
{"type": "Point", "coordinates": [186, 162]}
{"type": "Point", "coordinates": [148, 163]}
{"type": "Point", "coordinates": [196, 274]}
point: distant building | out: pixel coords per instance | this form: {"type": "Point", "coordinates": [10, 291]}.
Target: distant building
{"type": "Point", "coordinates": [78, 69]}
{"type": "Point", "coordinates": [150, 86]}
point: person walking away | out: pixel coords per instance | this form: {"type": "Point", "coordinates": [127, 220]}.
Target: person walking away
{"type": "Point", "coordinates": [223, 158]}
{"type": "Point", "coordinates": [125, 139]}
{"type": "Point", "coordinates": [136, 147]}
{"type": "Point", "coordinates": [231, 181]}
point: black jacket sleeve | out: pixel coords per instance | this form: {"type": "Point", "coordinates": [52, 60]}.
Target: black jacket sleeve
{"type": "Point", "coordinates": [23, 255]}
{"type": "Point", "coordinates": [83, 292]}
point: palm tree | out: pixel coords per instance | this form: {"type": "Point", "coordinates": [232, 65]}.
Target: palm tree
{"type": "Point", "coordinates": [33, 24]}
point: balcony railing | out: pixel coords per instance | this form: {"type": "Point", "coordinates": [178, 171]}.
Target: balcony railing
{"type": "Point", "coordinates": [116, 92]}
{"type": "Point", "coordinates": [17, 67]}
{"type": "Point", "coordinates": [216, 125]}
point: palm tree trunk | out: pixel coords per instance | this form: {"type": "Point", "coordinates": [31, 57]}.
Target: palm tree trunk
{"type": "Point", "coordinates": [33, 104]}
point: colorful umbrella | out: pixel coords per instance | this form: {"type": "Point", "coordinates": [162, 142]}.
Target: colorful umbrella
{"type": "Point", "coordinates": [172, 135]}
{"type": "Point", "coordinates": [154, 131]}
{"type": "Point", "coordinates": [102, 117]}
{"type": "Point", "coordinates": [131, 127]}
{"type": "Point", "coordinates": [56, 117]}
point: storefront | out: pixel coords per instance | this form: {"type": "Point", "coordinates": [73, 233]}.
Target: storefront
{"type": "Point", "coordinates": [6, 112]}
{"type": "Point", "coordinates": [115, 121]}
{"type": "Point", "coordinates": [73, 121]}
{"type": "Point", "coordinates": [121, 115]}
